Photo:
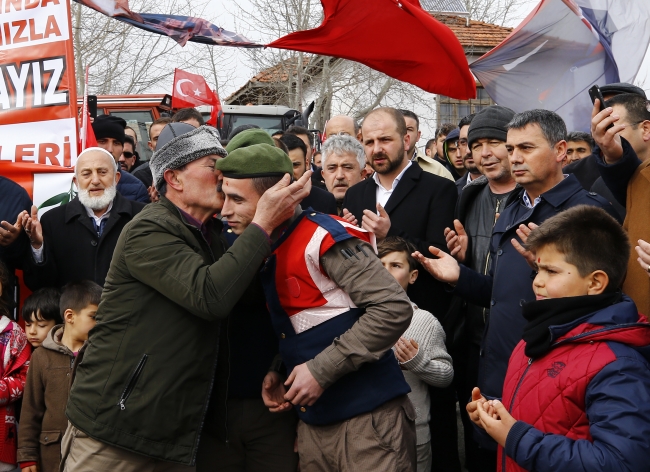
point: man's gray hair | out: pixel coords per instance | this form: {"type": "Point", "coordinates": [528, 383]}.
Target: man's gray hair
{"type": "Point", "coordinates": [343, 144]}
{"type": "Point", "coordinates": [552, 124]}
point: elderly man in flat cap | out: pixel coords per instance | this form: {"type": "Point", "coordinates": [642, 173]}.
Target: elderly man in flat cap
{"type": "Point", "coordinates": [336, 312]}
{"type": "Point", "coordinates": [144, 379]}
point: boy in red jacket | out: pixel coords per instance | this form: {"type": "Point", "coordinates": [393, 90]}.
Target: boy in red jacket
{"type": "Point", "coordinates": [577, 392]}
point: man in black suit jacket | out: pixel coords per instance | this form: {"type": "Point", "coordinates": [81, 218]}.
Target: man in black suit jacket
{"type": "Point", "coordinates": [416, 206]}
{"type": "Point", "coordinates": [76, 241]}
{"type": "Point", "coordinates": [318, 199]}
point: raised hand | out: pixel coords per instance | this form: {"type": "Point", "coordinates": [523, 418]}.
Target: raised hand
{"type": "Point", "coordinates": [607, 139]}
{"type": "Point", "coordinates": [10, 232]}
{"type": "Point", "coordinates": [33, 228]}
{"type": "Point", "coordinates": [643, 250]}
{"type": "Point", "coordinates": [273, 392]}
{"type": "Point", "coordinates": [378, 224]}
{"type": "Point", "coordinates": [523, 232]}
{"type": "Point", "coordinates": [279, 202]}
{"type": "Point", "coordinates": [445, 268]}
{"type": "Point", "coordinates": [457, 241]}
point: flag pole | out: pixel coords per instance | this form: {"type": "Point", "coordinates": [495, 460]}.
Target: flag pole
{"type": "Point", "coordinates": [84, 112]}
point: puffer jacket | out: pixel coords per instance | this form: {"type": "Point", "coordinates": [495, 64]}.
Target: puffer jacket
{"type": "Point", "coordinates": [585, 404]}
{"type": "Point", "coordinates": [132, 188]}
{"type": "Point", "coordinates": [147, 371]}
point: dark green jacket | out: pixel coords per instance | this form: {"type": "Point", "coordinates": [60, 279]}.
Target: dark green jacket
{"type": "Point", "coordinates": [145, 378]}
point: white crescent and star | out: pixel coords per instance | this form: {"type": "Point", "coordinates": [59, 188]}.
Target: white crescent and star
{"type": "Point", "coordinates": [197, 92]}
{"type": "Point", "coordinates": [178, 86]}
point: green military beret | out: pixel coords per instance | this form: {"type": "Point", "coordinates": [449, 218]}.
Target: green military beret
{"type": "Point", "coordinates": [257, 160]}
{"type": "Point", "coordinates": [248, 138]}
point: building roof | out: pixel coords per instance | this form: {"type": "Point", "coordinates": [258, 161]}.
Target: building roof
{"type": "Point", "coordinates": [445, 6]}
{"type": "Point", "coordinates": [477, 35]}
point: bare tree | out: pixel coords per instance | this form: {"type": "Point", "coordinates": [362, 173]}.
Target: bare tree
{"type": "Point", "coordinates": [498, 12]}
{"type": "Point", "coordinates": [295, 79]}
{"type": "Point", "coordinates": [127, 60]}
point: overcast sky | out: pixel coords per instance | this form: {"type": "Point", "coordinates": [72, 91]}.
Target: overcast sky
{"type": "Point", "coordinates": [221, 11]}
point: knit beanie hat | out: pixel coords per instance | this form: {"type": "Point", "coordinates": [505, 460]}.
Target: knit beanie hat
{"type": "Point", "coordinates": [248, 138]}
{"type": "Point", "coordinates": [489, 123]}
{"type": "Point", "coordinates": [109, 126]}
{"type": "Point", "coordinates": [180, 144]}
{"type": "Point", "coordinates": [257, 160]}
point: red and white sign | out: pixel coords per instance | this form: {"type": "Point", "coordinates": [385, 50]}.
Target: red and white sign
{"type": "Point", "coordinates": [38, 124]}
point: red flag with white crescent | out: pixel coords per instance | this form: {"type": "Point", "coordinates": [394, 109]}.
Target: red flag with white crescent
{"type": "Point", "coordinates": [192, 90]}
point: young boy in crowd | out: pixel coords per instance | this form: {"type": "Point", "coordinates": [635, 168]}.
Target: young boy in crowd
{"type": "Point", "coordinates": [43, 419]}
{"type": "Point", "coordinates": [577, 391]}
{"type": "Point", "coordinates": [421, 350]}
{"type": "Point", "coordinates": [14, 361]}
{"type": "Point", "coordinates": [41, 314]}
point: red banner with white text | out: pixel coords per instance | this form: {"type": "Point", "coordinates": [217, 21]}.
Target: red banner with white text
{"type": "Point", "coordinates": [38, 100]}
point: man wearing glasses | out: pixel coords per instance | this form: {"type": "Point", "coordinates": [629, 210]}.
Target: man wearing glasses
{"type": "Point", "coordinates": [127, 158]}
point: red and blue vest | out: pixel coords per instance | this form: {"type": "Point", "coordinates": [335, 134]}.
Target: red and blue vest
{"type": "Point", "coordinates": [309, 311]}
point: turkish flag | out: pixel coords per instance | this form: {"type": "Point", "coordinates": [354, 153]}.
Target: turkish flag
{"type": "Point", "coordinates": [192, 90]}
{"type": "Point", "coordinates": [395, 37]}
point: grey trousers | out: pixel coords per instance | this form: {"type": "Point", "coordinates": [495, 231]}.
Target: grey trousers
{"type": "Point", "coordinates": [382, 440]}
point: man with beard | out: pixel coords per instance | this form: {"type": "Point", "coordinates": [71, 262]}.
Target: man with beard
{"type": "Point", "coordinates": [478, 205]}
{"type": "Point", "coordinates": [344, 165]}
{"type": "Point", "coordinates": [403, 200]}
{"type": "Point", "coordinates": [463, 149]}
{"type": "Point", "coordinates": [76, 241]}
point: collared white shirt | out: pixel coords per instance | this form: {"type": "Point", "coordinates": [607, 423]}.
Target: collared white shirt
{"type": "Point", "coordinates": [38, 253]}
{"type": "Point", "coordinates": [383, 194]}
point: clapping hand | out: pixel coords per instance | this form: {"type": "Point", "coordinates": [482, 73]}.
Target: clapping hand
{"type": "Point", "coordinates": [457, 241]}
{"type": "Point", "coordinates": [10, 232]}
{"type": "Point", "coordinates": [377, 224]}
{"type": "Point", "coordinates": [33, 228]}
{"type": "Point", "coordinates": [523, 232]}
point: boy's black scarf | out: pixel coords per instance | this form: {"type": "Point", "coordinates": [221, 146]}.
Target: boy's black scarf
{"type": "Point", "coordinates": [543, 314]}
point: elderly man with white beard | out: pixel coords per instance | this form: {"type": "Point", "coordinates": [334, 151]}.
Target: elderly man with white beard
{"type": "Point", "coordinates": [76, 241]}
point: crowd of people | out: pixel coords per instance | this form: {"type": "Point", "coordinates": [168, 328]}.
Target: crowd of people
{"type": "Point", "coordinates": [259, 302]}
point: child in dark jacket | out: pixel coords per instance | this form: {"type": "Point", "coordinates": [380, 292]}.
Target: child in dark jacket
{"type": "Point", "coordinates": [43, 419]}
{"type": "Point", "coordinates": [577, 391]}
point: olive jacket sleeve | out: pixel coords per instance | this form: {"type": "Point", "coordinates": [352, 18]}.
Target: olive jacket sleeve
{"type": "Point", "coordinates": [388, 312]}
